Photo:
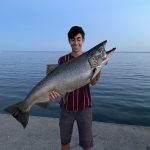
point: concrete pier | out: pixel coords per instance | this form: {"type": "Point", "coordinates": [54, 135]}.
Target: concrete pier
{"type": "Point", "coordinates": [42, 133]}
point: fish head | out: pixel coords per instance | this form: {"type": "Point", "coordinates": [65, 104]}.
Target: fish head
{"type": "Point", "coordinates": [104, 56]}
{"type": "Point", "coordinates": [99, 56]}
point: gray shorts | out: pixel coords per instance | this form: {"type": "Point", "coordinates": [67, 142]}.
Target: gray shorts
{"type": "Point", "coordinates": [84, 123]}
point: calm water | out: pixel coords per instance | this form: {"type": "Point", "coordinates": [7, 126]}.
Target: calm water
{"type": "Point", "coordinates": [122, 95]}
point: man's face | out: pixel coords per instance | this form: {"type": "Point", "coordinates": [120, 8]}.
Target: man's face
{"type": "Point", "coordinates": [76, 43]}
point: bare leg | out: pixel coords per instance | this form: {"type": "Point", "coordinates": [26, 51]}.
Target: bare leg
{"type": "Point", "coordinates": [88, 148]}
{"type": "Point", "coordinates": [66, 147]}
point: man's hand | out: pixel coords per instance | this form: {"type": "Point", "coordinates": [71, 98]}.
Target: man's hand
{"type": "Point", "coordinates": [53, 95]}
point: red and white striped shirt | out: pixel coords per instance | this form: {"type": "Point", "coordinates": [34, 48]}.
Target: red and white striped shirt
{"type": "Point", "coordinates": [78, 99]}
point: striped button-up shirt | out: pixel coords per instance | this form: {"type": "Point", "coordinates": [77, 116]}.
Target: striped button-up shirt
{"type": "Point", "coordinates": [78, 99]}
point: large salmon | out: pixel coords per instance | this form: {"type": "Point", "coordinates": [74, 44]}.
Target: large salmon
{"type": "Point", "coordinates": [63, 79]}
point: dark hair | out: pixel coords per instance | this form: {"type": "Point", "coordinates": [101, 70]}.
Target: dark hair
{"type": "Point", "coordinates": [74, 31]}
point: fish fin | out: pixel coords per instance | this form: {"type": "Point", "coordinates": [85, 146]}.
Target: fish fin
{"type": "Point", "coordinates": [15, 111]}
{"type": "Point", "coordinates": [43, 105]}
{"type": "Point", "coordinates": [50, 68]}
{"type": "Point", "coordinates": [65, 98]}
{"type": "Point", "coordinates": [95, 72]}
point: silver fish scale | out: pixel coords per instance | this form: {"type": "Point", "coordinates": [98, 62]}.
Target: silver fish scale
{"type": "Point", "coordinates": [63, 79]}
{"type": "Point", "coordinates": [68, 76]}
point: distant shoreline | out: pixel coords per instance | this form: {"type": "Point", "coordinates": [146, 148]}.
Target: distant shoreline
{"type": "Point", "coordinates": [132, 52]}
{"type": "Point", "coordinates": [66, 51]}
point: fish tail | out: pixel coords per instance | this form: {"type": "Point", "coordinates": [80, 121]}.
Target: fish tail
{"type": "Point", "coordinates": [15, 111]}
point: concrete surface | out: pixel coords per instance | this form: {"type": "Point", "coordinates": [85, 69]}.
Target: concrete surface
{"type": "Point", "coordinates": [42, 133]}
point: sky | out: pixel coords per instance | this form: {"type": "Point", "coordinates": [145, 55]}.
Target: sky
{"type": "Point", "coordinates": [42, 25]}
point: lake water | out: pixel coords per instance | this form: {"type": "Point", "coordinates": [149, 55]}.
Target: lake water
{"type": "Point", "coordinates": [122, 94]}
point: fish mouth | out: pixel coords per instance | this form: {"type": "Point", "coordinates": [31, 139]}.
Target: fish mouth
{"type": "Point", "coordinates": [110, 52]}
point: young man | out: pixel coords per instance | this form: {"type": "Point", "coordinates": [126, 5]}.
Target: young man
{"type": "Point", "coordinates": [79, 105]}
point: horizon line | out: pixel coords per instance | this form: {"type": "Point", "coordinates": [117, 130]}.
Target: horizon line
{"type": "Point", "coordinates": [67, 51]}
